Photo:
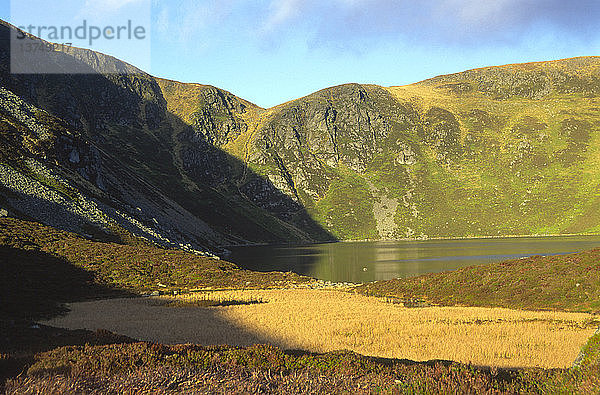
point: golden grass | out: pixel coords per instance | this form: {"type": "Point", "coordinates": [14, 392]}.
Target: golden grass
{"type": "Point", "coordinates": [323, 320]}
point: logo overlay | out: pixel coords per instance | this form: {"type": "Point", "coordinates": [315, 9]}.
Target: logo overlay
{"type": "Point", "coordinates": [78, 37]}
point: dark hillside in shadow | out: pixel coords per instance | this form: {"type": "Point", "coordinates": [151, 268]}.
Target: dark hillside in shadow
{"type": "Point", "coordinates": [35, 284]}
{"type": "Point", "coordinates": [125, 118]}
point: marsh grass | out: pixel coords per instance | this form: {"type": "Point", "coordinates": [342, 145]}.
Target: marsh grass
{"type": "Point", "coordinates": [323, 321]}
{"type": "Point", "coordinates": [326, 320]}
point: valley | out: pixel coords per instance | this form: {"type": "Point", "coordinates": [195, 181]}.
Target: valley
{"type": "Point", "coordinates": [122, 194]}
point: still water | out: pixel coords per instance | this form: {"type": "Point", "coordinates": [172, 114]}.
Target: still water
{"type": "Point", "coordinates": [368, 261]}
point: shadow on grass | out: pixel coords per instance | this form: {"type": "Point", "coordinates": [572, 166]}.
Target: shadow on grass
{"type": "Point", "coordinates": [36, 284]}
{"type": "Point", "coordinates": [153, 320]}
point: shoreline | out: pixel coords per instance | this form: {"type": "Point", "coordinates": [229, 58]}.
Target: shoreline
{"type": "Point", "coordinates": [416, 239]}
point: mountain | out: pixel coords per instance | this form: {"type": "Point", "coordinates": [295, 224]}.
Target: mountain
{"type": "Point", "coordinates": [104, 155]}
{"type": "Point", "coordinates": [509, 150]}
{"type": "Point", "coordinates": [130, 157]}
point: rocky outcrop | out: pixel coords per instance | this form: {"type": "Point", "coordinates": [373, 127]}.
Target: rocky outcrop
{"type": "Point", "coordinates": [218, 117]}
{"type": "Point", "coordinates": [50, 173]}
{"type": "Point", "coordinates": [343, 126]}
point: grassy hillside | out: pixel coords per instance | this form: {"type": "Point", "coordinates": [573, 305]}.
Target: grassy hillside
{"type": "Point", "coordinates": [43, 267]}
{"type": "Point", "coordinates": [496, 151]}
{"type": "Point", "coordinates": [130, 158]}
{"type": "Point", "coordinates": [567, 282]}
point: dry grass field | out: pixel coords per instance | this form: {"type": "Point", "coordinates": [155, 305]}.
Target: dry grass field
{"type": "Point", "coordinates": [325, 320]}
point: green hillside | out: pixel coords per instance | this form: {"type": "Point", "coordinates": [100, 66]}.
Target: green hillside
{"type": "Point", "coordinates": [497, 151]}
{"type": "Point", "coordinates": [100, 153]}
{"type": "Point", "coordinates": [562, 282]}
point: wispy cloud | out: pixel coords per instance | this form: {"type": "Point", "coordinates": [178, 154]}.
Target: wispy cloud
{"type": "Point", "coordinates": [474, 12]}
{"type": "Point", "coordinates": [281, 11]}
{"type": "Point", "coordinates": [161, 21]}
{"type": "Point", "coordinates": [357, 25]}
{"type": "Point", "coordinates": [184, 20]}
{"type": "Point", "coordinates": [190, 24]}
{"type": "Point", "coordinates": [491, 17]}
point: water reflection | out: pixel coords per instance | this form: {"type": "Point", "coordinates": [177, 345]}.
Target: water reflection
{"type": "Point", "coordinates": [383, 260]}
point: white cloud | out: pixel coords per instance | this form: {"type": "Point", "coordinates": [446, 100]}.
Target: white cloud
{"type": "Point", "coordinates": [353, 3]}
{"type": "Point", "coordinates": [283, 10]}
{"type": "Point", "coordinates": [481, 13]}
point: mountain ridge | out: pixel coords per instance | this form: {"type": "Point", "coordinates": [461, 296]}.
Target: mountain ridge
{"type": "Point", "coordinates": [485, 152]}
{"type": "Point", "coordinates": [127, 117]}
{"type": "Point", "coordinates": [434, 124]}
{"type": "Point", "coordinates": [524, 65]}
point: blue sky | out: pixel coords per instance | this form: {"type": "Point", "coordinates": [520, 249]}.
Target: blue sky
{"type": "Point", "coordinates": [271, 51]}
